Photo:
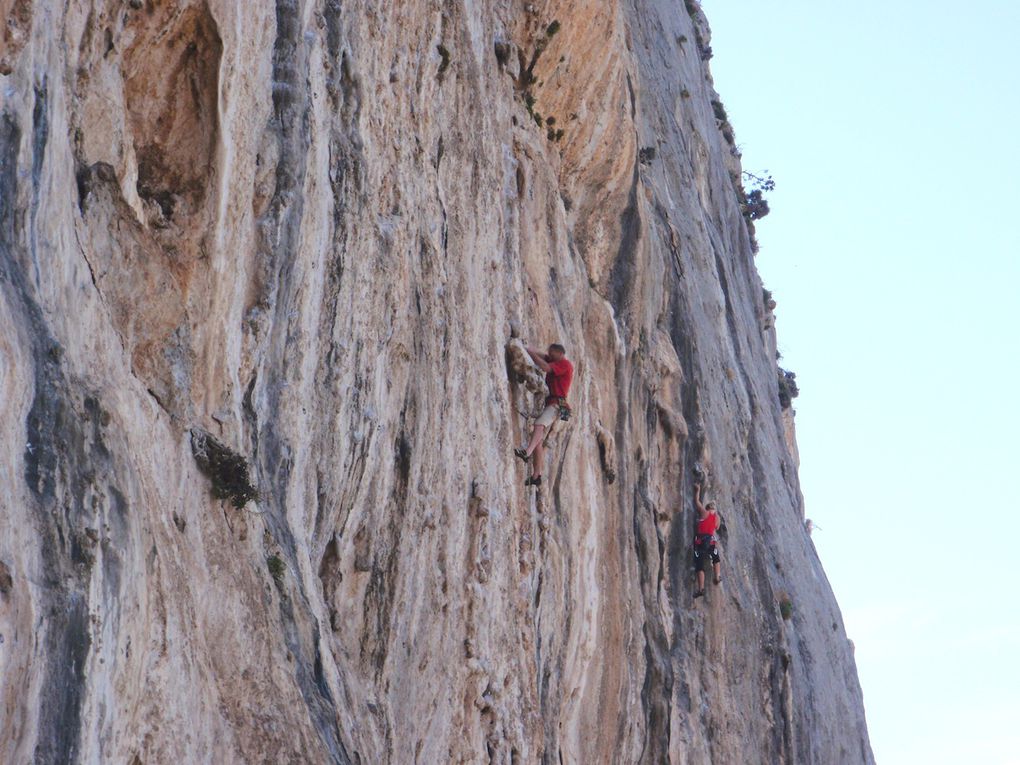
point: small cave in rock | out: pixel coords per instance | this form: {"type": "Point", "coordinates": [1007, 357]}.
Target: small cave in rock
{"type": "Point", "coordinates": [171, 93]}
{"type": "Point", "coordinates": [6, 581]}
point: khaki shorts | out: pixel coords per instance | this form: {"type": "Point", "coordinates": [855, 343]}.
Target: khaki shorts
{"type": "Point", "coordinates": [549, 415]}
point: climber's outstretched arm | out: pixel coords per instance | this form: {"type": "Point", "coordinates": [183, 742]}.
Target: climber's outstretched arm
{"type": "Point", "coordinates": [702, 512]}
{"type": "Point", "coordinates": [538, 357]}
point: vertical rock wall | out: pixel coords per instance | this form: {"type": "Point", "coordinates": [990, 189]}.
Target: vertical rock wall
{"type": "Point", "coordinates": [279, 249]}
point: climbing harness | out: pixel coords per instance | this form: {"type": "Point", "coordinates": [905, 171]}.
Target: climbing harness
{"type": "Point", "coordinates": [563, 409]}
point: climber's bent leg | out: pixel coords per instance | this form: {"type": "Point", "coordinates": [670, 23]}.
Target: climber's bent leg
{"type": "Point", "coordinates": [537, 434]}
{"type": "Point", "coordinates": [542, 424]}
{"type": "Point", "coordinates": [535, 451]}
{"type": "Point", "coordinates": [716, 565]}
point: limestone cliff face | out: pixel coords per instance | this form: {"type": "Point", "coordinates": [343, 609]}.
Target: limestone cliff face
{"type": "Point", "coordinates": [279, 249]}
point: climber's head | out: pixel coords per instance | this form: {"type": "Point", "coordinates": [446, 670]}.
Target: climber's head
{"type": "Point", "coordinates": [556, 351]}
{"type": "Point", "coordinates": [710, 506]}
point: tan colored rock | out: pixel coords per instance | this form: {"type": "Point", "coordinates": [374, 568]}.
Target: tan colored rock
{"type": "Point", "coordinates": [298, 234]}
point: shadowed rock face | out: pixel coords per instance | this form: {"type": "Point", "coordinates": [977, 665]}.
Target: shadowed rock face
{"type": "Point", "coordinates": [306, 232]}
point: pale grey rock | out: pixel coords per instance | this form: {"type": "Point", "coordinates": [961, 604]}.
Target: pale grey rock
{"type": "Point", "coordinates": [283, 228]}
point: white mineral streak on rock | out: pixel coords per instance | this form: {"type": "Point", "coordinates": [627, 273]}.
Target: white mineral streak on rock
{"type": "Point", "coordinates": [306, 229]}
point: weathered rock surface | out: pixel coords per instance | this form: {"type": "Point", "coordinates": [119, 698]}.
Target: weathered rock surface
{"type": "Point", "coordinates": [248, 247]}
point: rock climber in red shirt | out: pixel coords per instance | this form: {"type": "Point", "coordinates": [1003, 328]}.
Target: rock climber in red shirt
{"type": "Point", "coordinates": [559, 373]}
{"type": "Point", "coordinates": [705, 542]}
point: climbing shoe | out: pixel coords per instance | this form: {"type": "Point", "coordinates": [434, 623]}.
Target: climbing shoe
{"type": "Point", "coordinates": [533, 480]}
{"type": "Point", "coordinates": [522, 453]}
{"type": "Point", "coordinates": [699, 594]}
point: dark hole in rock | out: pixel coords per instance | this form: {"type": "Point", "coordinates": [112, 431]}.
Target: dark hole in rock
{"type": "Point", "coordinates": [6, 582]}
{"type": "Point", "coordinates": [172, 93]}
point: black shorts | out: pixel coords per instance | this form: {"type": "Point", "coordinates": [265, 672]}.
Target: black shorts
{"type": "Point", "coordinates": [705, 549]}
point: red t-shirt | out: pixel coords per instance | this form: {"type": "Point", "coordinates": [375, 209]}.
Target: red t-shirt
{"type": "Point", "coordinates": [558, 378]}
{"type": "Point", "coordinates": [709, 525]}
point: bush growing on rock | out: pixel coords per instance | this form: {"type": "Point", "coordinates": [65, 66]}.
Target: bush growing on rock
{"type": "Point", "coordinates": [788, 389]}
{"type": "Point", "coordinates": [277, 568]}
{"type": "Point", "coordinates": [756, 207]}
{"type": "Point", "coordinates": [720, 111]}
{"type": "Point", "coordinates": [763, 182]}
{"type": "Point", "coordinates": [226, 469]}
{"type": "Point", "coordinates": [754, 204]}
{"type": "Point", "coordinates": [785, 607]}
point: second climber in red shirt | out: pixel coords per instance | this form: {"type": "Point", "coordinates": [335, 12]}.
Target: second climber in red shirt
{"type": "Point", "coordinates": [559, 373]}
{"type": "Point", "coordinates": [705, 546]}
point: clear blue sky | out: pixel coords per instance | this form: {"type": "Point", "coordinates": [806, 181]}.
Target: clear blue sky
{"type": "Point", "coordinates": [893, 249]}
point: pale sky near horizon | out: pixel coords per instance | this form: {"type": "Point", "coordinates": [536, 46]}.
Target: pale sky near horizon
{"type": "Point", "coordinates": [893, 250]}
